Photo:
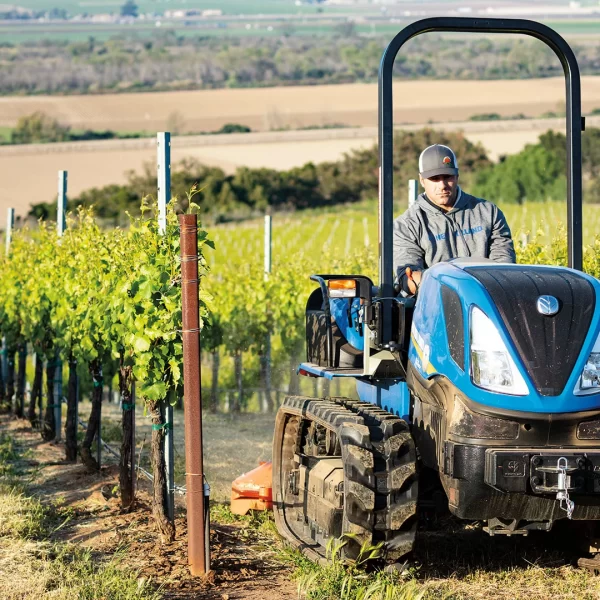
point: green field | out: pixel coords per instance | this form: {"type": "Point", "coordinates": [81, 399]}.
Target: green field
{"type": "Point", "coordinates": [19, 32]}
{"type": "Point", "coordinates": [327, 235]}
{"type": "Point", "coordinates": [229, 7]}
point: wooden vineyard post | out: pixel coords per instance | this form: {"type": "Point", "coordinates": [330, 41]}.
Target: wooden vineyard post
{"type": "Point", "coordinates": [198, 547]}
{"type": "Point", "coordinates": [163, 166]}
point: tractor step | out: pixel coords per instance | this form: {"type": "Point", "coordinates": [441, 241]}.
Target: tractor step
{"type": "Point", "coordinates": [313, 370]}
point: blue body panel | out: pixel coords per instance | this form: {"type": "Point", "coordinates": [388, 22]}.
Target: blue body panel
{"type": "Point", "coordinates": [390, 394]}
{"type": "Point", "coordinates": [345, 313]}
{"type": "Point", "coordinates": [428, 350]}
{"type": "Point", "coordinates": [429, 354]}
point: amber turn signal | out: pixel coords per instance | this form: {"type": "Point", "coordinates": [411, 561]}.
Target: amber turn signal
{"type": "Point", "coordinates": [342, 288]}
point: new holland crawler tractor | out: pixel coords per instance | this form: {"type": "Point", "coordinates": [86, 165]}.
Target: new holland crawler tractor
{"type": "Point", "coordinates": [485, 386]}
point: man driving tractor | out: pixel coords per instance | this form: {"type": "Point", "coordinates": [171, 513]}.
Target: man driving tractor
{"type": "Point", "coordinates": [445, 223]}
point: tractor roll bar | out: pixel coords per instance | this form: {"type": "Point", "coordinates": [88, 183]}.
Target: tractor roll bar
{"type": "Point", "coordinates": [386, 131]}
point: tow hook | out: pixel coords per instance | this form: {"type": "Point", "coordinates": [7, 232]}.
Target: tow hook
{"type": "Point", "coordinates": [564, 482]}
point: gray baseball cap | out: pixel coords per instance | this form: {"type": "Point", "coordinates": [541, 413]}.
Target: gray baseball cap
{"type": "Point", "coordinates": [437, 160]}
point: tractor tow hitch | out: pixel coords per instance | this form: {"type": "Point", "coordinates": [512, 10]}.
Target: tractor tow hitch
{"type": "Point", "coordinates": [564, 481]}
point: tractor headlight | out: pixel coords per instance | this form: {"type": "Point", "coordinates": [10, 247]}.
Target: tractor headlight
{"type": "Point", "coordinates": [492, 367]}
{"type": "Point", "coordinates": [589, 380]}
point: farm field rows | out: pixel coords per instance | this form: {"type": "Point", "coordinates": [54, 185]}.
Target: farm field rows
{"type": "Point", "coordinates": [326, 236]}
{"type": "Point", "coordinates": [103, 163]}
{"type": "Point", "coordinates": [264, 109]}
{"type": "Point", "coordinates": [17, 34]}
{"type": "Point", "coordinates": [158, 6]}
{"type": "Point", "coordinates": [95, 164]}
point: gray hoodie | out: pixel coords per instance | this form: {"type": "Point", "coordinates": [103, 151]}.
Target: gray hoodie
{"type": "Point", "coordinates": [425, 235]}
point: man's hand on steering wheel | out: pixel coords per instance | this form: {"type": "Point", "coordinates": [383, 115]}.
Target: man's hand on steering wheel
{"type": "Point", "coordinates": [413, 279]}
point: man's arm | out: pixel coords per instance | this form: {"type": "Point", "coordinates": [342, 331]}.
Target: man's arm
{"type": "Point", "coordinates": [407, 253]}
{"type": "Point", "coordinates": [501, 244]}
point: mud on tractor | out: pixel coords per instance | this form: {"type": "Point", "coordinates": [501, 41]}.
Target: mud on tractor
{"type": "Point", "coordinates": [482, 393]}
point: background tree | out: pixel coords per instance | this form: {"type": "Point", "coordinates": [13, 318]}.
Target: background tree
{"type": "Point", "coordinates": [129, 9]}
{"type": "Point", "coordinates": [39, 128]}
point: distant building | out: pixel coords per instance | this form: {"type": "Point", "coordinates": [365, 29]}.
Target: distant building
{"type": "Point", "coordinates": [103, 18]}
{"type": "Point", "coordinates": [16, 11]}
{"type": "Point", "coordinates": [193, 12]}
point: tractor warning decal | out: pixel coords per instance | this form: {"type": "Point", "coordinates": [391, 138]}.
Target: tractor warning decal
{"type": "Point", "coordinates": [423, 352]}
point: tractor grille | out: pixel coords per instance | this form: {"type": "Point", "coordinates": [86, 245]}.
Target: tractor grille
{"type": "Point", "coordinates": [453, 315]}
{"type": "Point", "coordinates": [548, 346]}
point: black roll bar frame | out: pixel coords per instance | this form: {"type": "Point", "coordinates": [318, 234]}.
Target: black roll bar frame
{"type": "Point", "coordinates": [575, 126]}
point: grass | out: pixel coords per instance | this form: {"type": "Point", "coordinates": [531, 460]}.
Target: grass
{"type": "Point", "coordinates": [457, 562]}
{"type": "Point", "coordinates": [5, 134]}
{"type": "Point", "coordinates": [33, 565]}
{"type": "Point", "coordinates": [532, 571]}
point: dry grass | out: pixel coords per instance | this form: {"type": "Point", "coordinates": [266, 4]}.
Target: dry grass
{"type": "Point", "coordinates": [261, 109]}
{"type": "Point", "coordinates": [233, 445]}
{"type": "Point", "coordinates": [454, 560]}
{"type": "Point", "coordinates": [35, 566]}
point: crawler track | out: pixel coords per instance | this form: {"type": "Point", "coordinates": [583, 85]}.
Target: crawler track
{"type": "Point", "coordinates": [377, 455]}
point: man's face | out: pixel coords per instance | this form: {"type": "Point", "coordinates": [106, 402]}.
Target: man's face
{"type": "Point", "coordinates": [441, 190]}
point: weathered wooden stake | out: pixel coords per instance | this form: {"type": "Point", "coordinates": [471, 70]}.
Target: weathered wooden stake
{"type": "Point", "coordinates": [198, 550]}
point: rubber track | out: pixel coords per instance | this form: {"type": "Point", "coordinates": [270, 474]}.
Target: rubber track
{"type": "Point", "coordinates": [396, 478]}
{"type": "Point", "coordinates": [380, 483]}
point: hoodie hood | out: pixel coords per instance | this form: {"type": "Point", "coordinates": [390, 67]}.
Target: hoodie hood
{"type": "Point", "coordinates": [425, 235]}
{"type": "Point", "coordinates": [426, 204]}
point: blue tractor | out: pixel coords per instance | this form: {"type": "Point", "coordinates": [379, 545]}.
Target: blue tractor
{"type": "Point", "coordinates": [483, 390]}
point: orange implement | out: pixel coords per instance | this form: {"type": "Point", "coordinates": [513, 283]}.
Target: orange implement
{"type": "Point", "coordinates": [253, 490]}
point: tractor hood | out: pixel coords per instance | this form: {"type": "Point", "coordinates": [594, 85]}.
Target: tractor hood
{"type": "Point", "coordinates": [514, 337]}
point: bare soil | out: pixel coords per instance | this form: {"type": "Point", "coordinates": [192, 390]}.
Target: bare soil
{"type": "Point", "coordinates": [244, 563]}
{"type": "Point", "coordinates": [265, 109]}
{"type": "Point", "coordinates": [31, 171]}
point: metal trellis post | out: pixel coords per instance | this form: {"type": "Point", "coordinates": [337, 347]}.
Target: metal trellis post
{"type": "Point", "coordinates": [132, 457]}
{"type": "Point", "coordinates": [413, 191]}
{"type": "Point", "coordinates": [268, 256]}
{"type": "Point", "coordinates": [61, 224]}
{"type": "Point", "coordinates": [163, 166]}
{"type": "Point", "coordinates": [163, 171]}
{"type": "Point", "coordinates": [10, 223]}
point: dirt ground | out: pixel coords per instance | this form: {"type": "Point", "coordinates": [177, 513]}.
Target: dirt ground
{"type": "Point", "coordinates": [452, 559]}
{"type": "Point", "coordinates": [244, 564]}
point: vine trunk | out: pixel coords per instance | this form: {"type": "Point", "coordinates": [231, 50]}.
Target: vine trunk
{"type": "Point", "coordinates": [126, 482]}
{"type": "Point", "coordinates": [48, 426]}
{"type": "Point", "coordinates": [71, 424]}
{"type": "Point", "coordinates": [21, 379]}
{"type": "Point", "coordinates": [10, 378]}
{"type": "Point", "coordinates": [94, 421]}
{"type": "Point", "coordinates": [239, 378]}
{"type": "Point", "coordinates": [214, 386]}
{"type": "Point", "coordinates": [166, 528]}
{"type": "Point", "coordinates": [36, 392]}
